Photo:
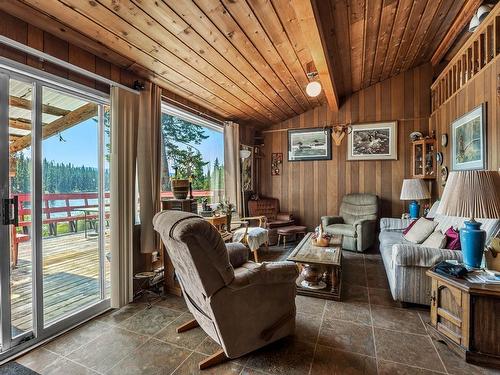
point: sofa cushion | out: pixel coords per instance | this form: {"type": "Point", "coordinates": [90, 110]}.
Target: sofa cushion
{"type": "Point", "coordinates": [436, 240]}
{"type": "Point", "coordinates": [420, 230]}
{"type": "Point", "coordinates": [343, 229]}
{"type": "Point", "coordinates": [453, 239]}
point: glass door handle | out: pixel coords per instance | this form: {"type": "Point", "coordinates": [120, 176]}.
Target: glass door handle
{"type": "Point", "coordinates": [8, 218]}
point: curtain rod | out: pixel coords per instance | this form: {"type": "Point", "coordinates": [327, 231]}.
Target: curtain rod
{"type": "Point", "coordinates": [191, 109]}
{"type": "Point", "coordinates": [54, 60]}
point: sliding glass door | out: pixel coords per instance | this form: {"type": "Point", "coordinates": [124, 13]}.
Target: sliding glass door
{"type": "Point", "coordinates": [54, 191]}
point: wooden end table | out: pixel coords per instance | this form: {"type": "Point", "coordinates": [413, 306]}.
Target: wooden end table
{"type": "Point", "coordinates": [465, 316]}
{"type": "Point", "coordinates": [321, 274]}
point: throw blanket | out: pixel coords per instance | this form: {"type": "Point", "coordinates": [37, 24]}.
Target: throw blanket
{"type": "Point", "coordinates": [256, 237]}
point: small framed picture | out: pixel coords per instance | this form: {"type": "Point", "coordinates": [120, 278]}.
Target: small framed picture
{"type": "Point", "coordinates": [309, 144]}
{"type": "Point", "coordinates": [373, 141]}
{"type": "Point", "coordinates": [468, 140]}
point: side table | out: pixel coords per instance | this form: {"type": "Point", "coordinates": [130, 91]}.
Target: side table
{"type": "Point", "coordinates": [465, 316]}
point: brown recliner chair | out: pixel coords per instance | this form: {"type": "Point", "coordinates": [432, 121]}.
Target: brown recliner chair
{"type": "Point", "coordinates": [270, 208]}
{"type": "Point", "coordinates": [240, 304]}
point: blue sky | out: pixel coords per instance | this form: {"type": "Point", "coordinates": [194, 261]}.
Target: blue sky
{"type": "Point", "coordinates": [80, 147]}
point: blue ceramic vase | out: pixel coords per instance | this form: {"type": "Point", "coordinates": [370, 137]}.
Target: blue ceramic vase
{"type": "Point", "coordinates": [472, 240]}
{"type": "Point", "coordinates": [414, 208]}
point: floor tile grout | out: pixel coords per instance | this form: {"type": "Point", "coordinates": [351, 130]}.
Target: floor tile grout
{"type": "Point", "coordinates": [371, 318]}
{"type": "Point", "coordinates": [317, 337]}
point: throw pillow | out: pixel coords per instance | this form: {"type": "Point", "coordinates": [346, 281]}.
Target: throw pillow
{"type": "Point", "coordinates": [422, 229]}
{"type": "Point", "coordinates": [409, 227]}
{"type": "Point", "coordinates": [453, 239]}
{"type": "Point", "coordinates": [436, 240]}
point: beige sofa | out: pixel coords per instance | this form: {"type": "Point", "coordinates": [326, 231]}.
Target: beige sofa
{"type": "Point", "coordinates": [240, 304]}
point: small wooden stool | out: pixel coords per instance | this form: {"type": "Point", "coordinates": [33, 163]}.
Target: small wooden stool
{"type": "Point", "coordinates": [291, 230]}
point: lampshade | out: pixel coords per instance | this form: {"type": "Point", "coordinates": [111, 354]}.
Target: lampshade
{"type": "Point", "coordinates": [244, 154]}
{"type": "Point", "coordinates": [414, 189]}
{"type": "Point", "coordinates": [471, 194]}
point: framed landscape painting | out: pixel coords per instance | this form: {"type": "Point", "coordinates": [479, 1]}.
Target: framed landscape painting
{"type": "Point", "coordinates": [468, 140]}
{"type": "Point", "coordinates": [373, 141]}
{"type": "Point", "coordinates": [309, 144]}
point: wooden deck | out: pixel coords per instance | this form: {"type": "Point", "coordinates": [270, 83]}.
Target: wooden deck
{"type": "Point", "coordinates": [70, 278]}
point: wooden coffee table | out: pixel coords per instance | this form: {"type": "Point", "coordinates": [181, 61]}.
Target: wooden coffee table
{"type": "Point", "coordinates": [321, 268]}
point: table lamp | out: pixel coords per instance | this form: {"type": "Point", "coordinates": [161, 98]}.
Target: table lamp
{"type": "Point", "coordinates": [414, 189]}
{"type": "Point", "coordinates": [472, 194]}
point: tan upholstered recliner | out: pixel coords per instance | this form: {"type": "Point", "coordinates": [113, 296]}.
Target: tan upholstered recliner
{"type": "Point", "coordinates": [357, 221]}
{"type": "Point", "coordinates": [240, 304]}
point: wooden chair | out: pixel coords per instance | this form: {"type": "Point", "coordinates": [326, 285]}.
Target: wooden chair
{"type": "Point", "coordinates": [251, 236]}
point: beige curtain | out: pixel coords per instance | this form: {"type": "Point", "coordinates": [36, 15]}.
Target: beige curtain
{"type": "Point", "coordinates": [232, 179]}
{"type": "Point", "coordinates": [124, 120]}
{"type": "Point", "coordinates": [149, 163]}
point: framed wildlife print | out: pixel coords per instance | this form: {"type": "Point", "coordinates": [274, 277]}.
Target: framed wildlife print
{"type": "Point", "coordinates": [468, 140]}
{"type": "Point", "coordinates": [373, 141]}
{"type": "Point", "coordinates": [309, 144]}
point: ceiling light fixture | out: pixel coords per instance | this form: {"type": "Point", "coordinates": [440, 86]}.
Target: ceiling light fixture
{"type": "Point", "coordinates": [313, 88]}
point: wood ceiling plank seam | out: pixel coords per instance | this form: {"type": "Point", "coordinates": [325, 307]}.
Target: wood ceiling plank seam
{"type": "Point", "coordinates": [407, 35]}
{"type": "Point", "coordinates": [172, 87]}
{"type": "Point", "coordinates": [284, 47]}
{"type": "Point", "coordinates": [365, 25]}
{"type": "Point", "coordinates": [287, 17]}
{"type": "Point", "coordinates": [50, 24]}
{"type": "Point", "coordinates": [334, 52]}
{"type": "Point", "coordinates": [86, 24]}
{"type": "Point", "coordinates": [413, 34]}
{"type": "Point", "coordinates": [176, 63]}
{"type": "Point", "coordinates": [411, 59]}
{"type": "Point", "coordinates": [268, 51]}
{"type": "Point", "coordinates": [403, 8]}
{"type": "Point", "coordinates": [177, 50]}
{"type": "Point", "coordinates": [202, 82]}
{"type": "Point", "coordinates": [439, 25]}
{"type": "Point", "coordinates": [251, 54]}
{"type": "Point", "coordinates": [221, 42]}
{"type": "Point", "coordinates": [371, 60]}
{"type": "Point", "coordinates": [339, 15]}
{"type": "Point", "coordinates": [179, 30]}
{"type": "Point", "coordinates": [356, 36]}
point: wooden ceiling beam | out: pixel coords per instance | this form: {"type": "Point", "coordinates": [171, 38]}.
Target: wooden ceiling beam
{"type": "Point", "coordinates": [311, 28]}
{"type": "Point", "coordinates": [461, 20]}
{"type": "Point", "coordinates": [20, 123]}
{"type": "Point", "coordinates": [72, 118]}
{"type": "Point", "coordinates": [14, 101]}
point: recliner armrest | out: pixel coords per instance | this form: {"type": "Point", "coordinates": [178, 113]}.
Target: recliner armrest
{"type": "Point", "coordinates": [238, 253]}
{"type": "Point", "coordinates": [329, 220]}
{"type": "Point", "coordinates": [266, 273]}
{"type": "Point", "coordinates": [364, 222]}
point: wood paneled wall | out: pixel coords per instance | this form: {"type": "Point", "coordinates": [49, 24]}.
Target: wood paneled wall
{"type": "Point", "coordinates": [482, 88]}
{"type": "Point", "coordinates": [315, 188]}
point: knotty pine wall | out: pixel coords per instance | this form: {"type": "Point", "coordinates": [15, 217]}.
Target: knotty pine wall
{"type": "Point", "coordinates": [310, 189]}
{"type": "Point", "coordinates": [482, 88]}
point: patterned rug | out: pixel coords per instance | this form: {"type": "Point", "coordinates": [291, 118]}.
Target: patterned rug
{"type": "Point", "coordinates": [14, 368]}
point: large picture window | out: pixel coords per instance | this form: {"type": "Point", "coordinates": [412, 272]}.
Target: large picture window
{"type": "Point", "coordinates": [193, 148]}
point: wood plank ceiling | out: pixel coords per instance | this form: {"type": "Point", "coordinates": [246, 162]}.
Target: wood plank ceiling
{"type": "Point", "coordinates": [372, 40]}
{"type": "Point", "coordinates": [246, 59]}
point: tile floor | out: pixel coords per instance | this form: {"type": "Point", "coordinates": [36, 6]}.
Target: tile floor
{"type": "Point", "coordinates": [366, 333]}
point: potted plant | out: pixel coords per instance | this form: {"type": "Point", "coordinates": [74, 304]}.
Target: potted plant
{"type": "Point", "coordinates": [180, 186]}
{"type": "Point", "coordinates": [227, 208]}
